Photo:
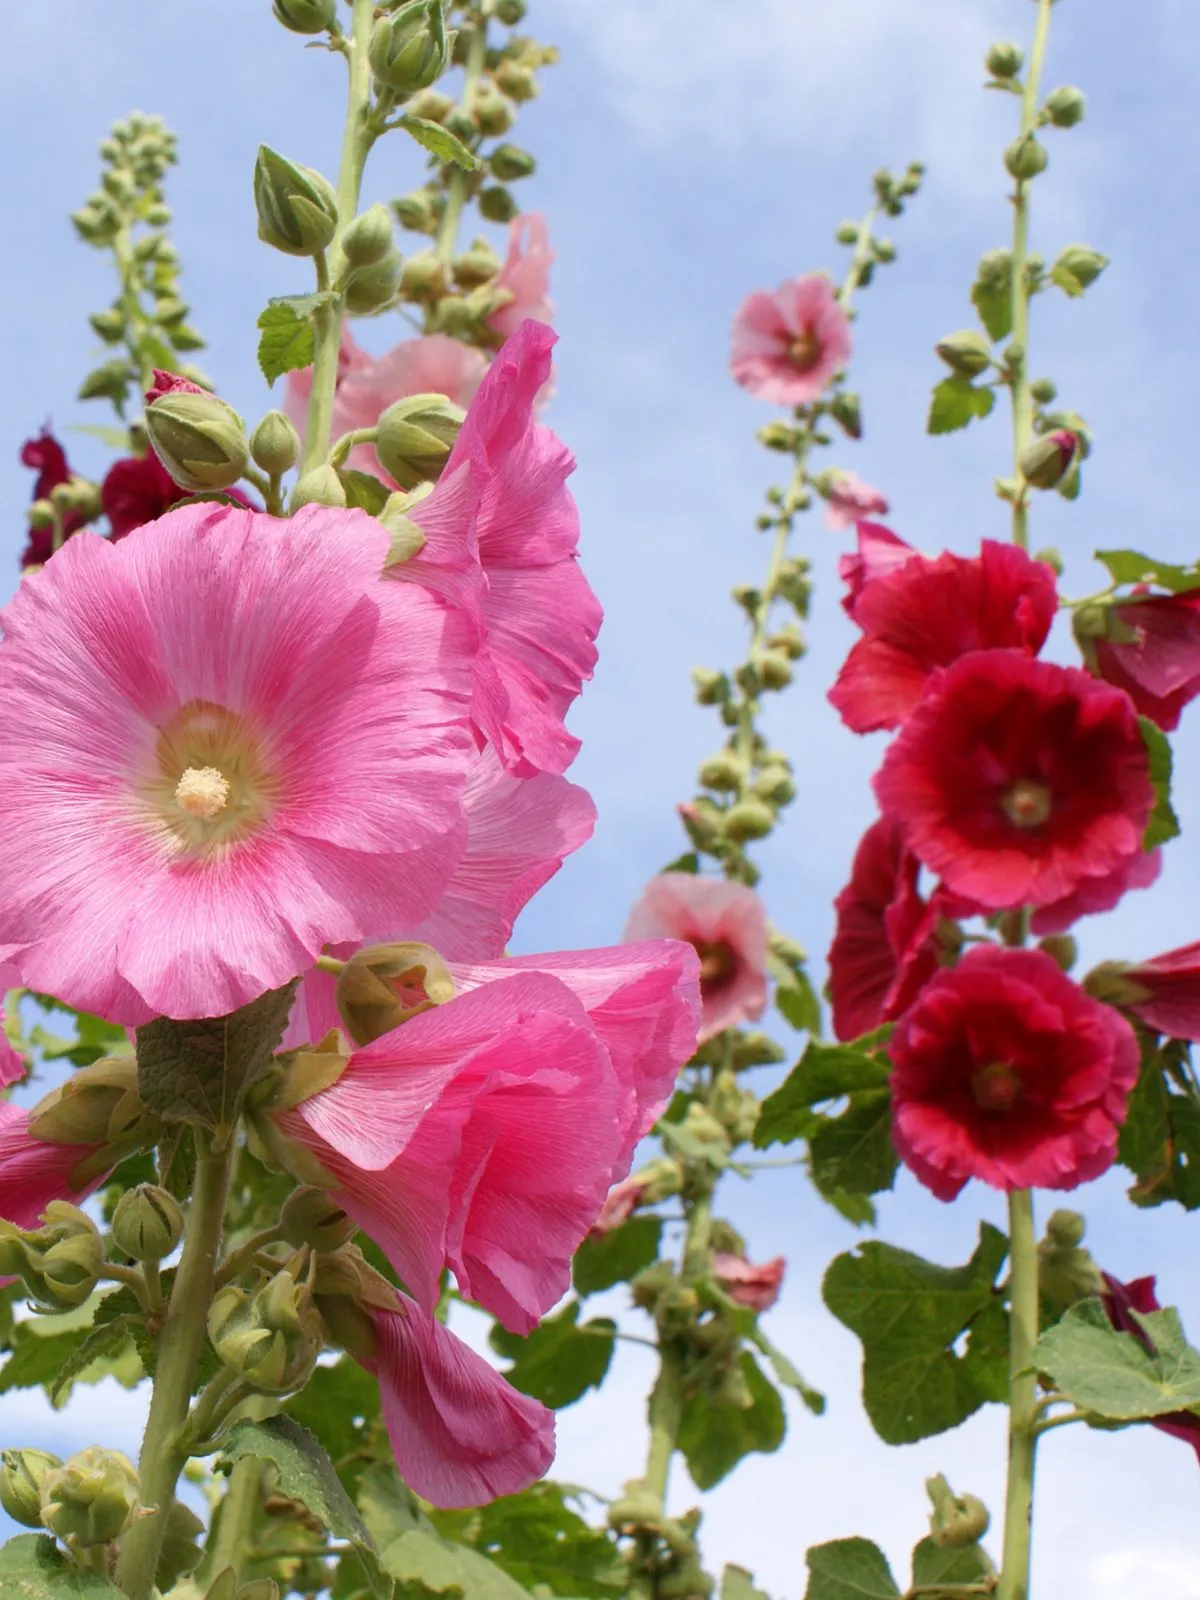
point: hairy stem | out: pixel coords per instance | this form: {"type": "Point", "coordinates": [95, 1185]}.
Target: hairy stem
{"type": "Point", "coordinates": [1022, 1400]}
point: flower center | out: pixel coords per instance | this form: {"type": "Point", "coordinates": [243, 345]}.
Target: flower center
{"type": "Point", "coordinates": [1027, 803]}
{"type": "Point", "coordinates": [804, 350]}
{"type": "Point", "coordinates": [718, 963]}
{"type": "Point", "coordinates": [208, 786]}
{"type": "Point", "coordinates": [996, 1087]}
{"type": "Point", "coordinates": [203, 792]}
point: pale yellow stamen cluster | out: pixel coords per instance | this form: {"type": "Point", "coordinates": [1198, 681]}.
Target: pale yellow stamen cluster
{"type": "Point", "coordinates": [203, 792]}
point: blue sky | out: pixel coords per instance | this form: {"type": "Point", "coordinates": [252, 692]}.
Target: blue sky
{"type": "Point", "coordinates": [690, 151]}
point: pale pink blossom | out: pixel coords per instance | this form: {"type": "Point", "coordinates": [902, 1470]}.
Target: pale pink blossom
{"type": "Point", "coordinates": [850, 500]}
{"type": "Point", "coordinates": [748, 1284]}
{"type": "Point", "coordinates": [727, 927]}
{"type": "Point", "coordinates": [880, 552]}
{"type": "Point", "coordinates": [789, 346]}
{"type": "Point", "coordinates": [224, 743]}
{"type": "Point", "coordinates": [622, 1201]}
{"type": "Point", "coordinates": [525, 275]}
{"type": "Point", "coordinates": [484, 1134]}
{"type": "Point", "coordinates": [34, 1172]}
{"type": "Point", "coordinates": [460, 1434]}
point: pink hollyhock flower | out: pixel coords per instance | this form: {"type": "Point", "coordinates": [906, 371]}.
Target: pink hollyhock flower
{"type": "Point", "coordinates": [926, 614]}
{"type": "Point", "coordinates": [885, 944]}
{"type": "Point", "coordinates": [525, 275]}
{"type": "Point", "coordinates": [484, 1134]}
{"type": "Point", "coordinates": [1098, 894]}
{"type": "Point", "coordinates": [48, 458]}
{"type": "Point", "coordinates": [461, 1435]}
{"type": "Point", "coordinates": [1006, 1071]}
{"type": "Point", "coordinates": [1016, 780]}
{"type": "Point", "coordinates": [539, 615]}
{"type": "Point", "coordinates": [227, 743]}
{"type": "Point", "coordinates": [747, 1284]}
{"type": "Point", "coordinates": [879, 552]}
{"type": "Point", "coordinates": [789, 346]}
{"type": "Point", "coordinates": [170, 383]}
{"type": "Point", "coordinates": [1120, 1301]}
{"type": "Point", "coordinates": [622, 1201]}
{"type": "Point", "coordinates": [1159, 669]}
{"type": "Point", "coordinates": [726, 926]}
{"type": "Point", "coordinates": [32, 1171]}
{"type": "Point", "coordinates": [1164, 992]}
{"type": "Point", "coordinates": [849, 500]}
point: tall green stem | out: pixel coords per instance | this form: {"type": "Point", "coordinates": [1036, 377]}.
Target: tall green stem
{"type": "Point", "coordinates": [357, 139]}
{"type": "Point", "coordinates": [181, 1342]}
{"type": "Point", "coordinates": [456, 193]}
{"type": "Point", "coordinates": [1022, 401]}
{"type": "Point", "coordinates": [1022, 1399]}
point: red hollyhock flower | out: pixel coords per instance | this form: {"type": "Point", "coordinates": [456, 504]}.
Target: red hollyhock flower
{"type": "Point", "coordinates": [1163, 993]}
{"type": "Point", "coordinates": [928, 613]}
{"type": "Point", "coordinates": [1015, 780]}
{"type": "Point", "coordinates": [49, 460]}
{"type": "Point", "coordinates": [135, 490]}
{"type": "Point", "coordinates": [879, 552]}
{"type": "Point", "coordinates": [1098, 894]}
{"type": "Point", "coordinates": [1006, 1071]}
{"type": "Point", "coordinates": [1120, 1300]}
{"type": "Point", "coordinates": [1159, 668]}
{"type": "Point", "coordinates": [885, 945]}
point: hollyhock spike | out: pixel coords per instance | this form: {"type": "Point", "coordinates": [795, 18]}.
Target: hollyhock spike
{"type": "Point", "coordinates": [788, 346]}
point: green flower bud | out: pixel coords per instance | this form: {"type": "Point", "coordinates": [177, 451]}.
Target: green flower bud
{"type": "Point", "coordinates": [778, 436]}
{"type": "Point", "coordinates": [306, 16]}
{"type": "Point", "coordinates": [423, 277]}
{"type": "Point", "coordinates": [431, 104]}
{"type": "Point", "coordinates": [519, 82]}
{"type": "Point", "coordinates": [723, 772]}
{"type": "Point", "coordinates": [199, 439]}
{"type": "Point", "coordinates": [416, 436]}
{"type": "Point", "coordinates": [846, 411]}
{"type": "Point", "coordinates": [310, 1217]}
{"type": "Point", "coordinates": [368, 239]}
{"type": "Point", "coordinates": [509, 162]}
{"type": "Point", "coordinates": [496, 204]}
{"type": "Point", "coordinates": [510, 12]}
{"type": "Point", "coordinates": [410, 48]}
{"type": "Point", "coordinates": [475, 266]}
{"type": "Point", "coordinates": [275, 444]}
{"type": "Point", "coordinates": [373, 288]}
{"type": "Point", "coordinates": [1065, 107]}
{"type": "Point", "coordinates": [711, 687]}
{"type": "Point", "coordinates": [1066, 1228]}
{"type": "Point", "coordinates": [169, 310]}
{"type": "Point", "coordinates": [1061, 948]}
{"type": "Point", "coordinates": [1066, 1272]}
{"type": "Point", "coordinates": [297, 208]}
{"type": "Point", "coordinates": [1083, 264]}
{"type": "Point", "coordinates": [1004, 60]}
{"type": "Point", "coordinates": [91, 1499]}
{"type": "Point", "coordinates": [22, 1474]}
{"type": "Point", "coordinates": [461, 124]}
{"type": "Point", "coordinates": [97, 1105]}
{"type": "Point", "coordinates": [775, 785]}
{"type": "Point", "coordinates": [415, 211]}
{"type": "Point", "coordinates": [847, 233]}
{"type": "Point", "coordinates": [966, 352]}
{"type": "Point", "coordinates": [1043, 391]}
{"type": "Point", "coordinates": [1052, 557]}
{"type": "Point", "coordinates": [60, 1261]}
{"type": "Point", "coordinates": [408, 540]}
{"type": "Point", "coordinates": [147, 1223]}
{"type": "Point", "coordinates": [1046, 461]}
{"type": "Point", "coordinates": [957, 1520]}
{"type": "Point", "coordinates": [748, 819]}
{"type": "Point", "coordinates": [108, 325]}
{"type": "Point", "coordinates": [40, 514]}
{"type": "Point", "coordinates": [1026, 157]}
{"type": "Point", "coordinates": [271, 1338]}
{"type": "Point", "coordinates": [383, 985]}
{"type": "Point", "coordinates": [320, 486]}
{"type": "Point", "coordinates": [775, 670]}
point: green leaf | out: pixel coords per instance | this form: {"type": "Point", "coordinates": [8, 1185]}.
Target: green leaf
{"type": "Point", "coordinates": [93, 1038]}
{"type": "Point", "coordinates": [1160, 1138]}
{"type": "Point", "coordinates": [286, 328]}
{"type": "Point", "coordinates": [738, 1584]}
{"type": "Point", "coordinates": [849, 1569]}
{"type": "Point", "coordinates": [941, 1564]}
{"type": "Point", "coordinates": [688, 862]}
{"type": "Point", "coordinates": [200, 1071]}
{"type": "Point", "coordinates": [32, 1567]}
{"type": "Point", "coordinates": [112, 380]}
{"type": "Point", "coordinates": [540, 1541]}
{"type": "Point", "coordinates": [853, 1153]}
{"type": "Point", "coordinates": [796, 999]}
{"type": "Point", "coordinates": [1112, 1374]}
{"type": "Point", "coordinates": [114, 438]}
{"type": "Point", "coordinates": [956, 401]}
{"type": "Point", "coordinates": [991, 295]}
{"type": "Point", "coordinates": [713, 1438]}
{"type": "Point", "coordinates": [789, 1374]}
{"type": "Point", "coordinates": [615, 1257]}
{"type": "Point", "coordinates": [1131, 566]}
{"type": "Point", "coordinates": [559, 1361]}
{"type": "Point", "coordinates": [440, 142]}
{"type": "Point", "coordinates": [424, 1559]}
{"type": "Point", "coordinates": [38, 1357]}
{"type": "Point", "coordinates": [102, 1344]}
{"type": "Point", "coordinates": [909, 1314]}
{"type": "Point", "coordinates": [363, 491]}
{"type": "Point", "coordinates": [1163, 823]}
{"type": "Point", "coordinates": [824, 1072]}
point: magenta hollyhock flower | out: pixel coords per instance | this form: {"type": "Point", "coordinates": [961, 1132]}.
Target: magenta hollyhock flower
{"type": "Point", "coordinates": [726, 925]}
{"type": "Point", "coordinates": [879, 552]}
{"type": "Point", "coordinates": [1163, 992]}
{"type": "Point", "coordinates": [227, 744]}
{"type": "Point", "coordinates": [928, 613]}
{"type": "Point", "coordinates": [525, 275]}
{"type": "Point", "coordinates": [789, 346]}
{"type": "Point", "coordinates": [34, 1172]}
{"type": "Point", "coordinates": [748, 1284]}
{"type": "Point", "coordinates": [49, 460]}
{"type": "Point", "coordinates": [460, 1434]}
{"type": "Point", "coordinates": [1015, 780]}
{"type": "Point", "coordinates": [849, 500]}
{"type": "Point", "coordinates": [1006, 1071]}
{"type": "Point", "coordinates": [484, 1134]}
{"type": "Point", "coordinates": [1094, 895]}
{"type": "Point", "coordinates": [1159, 668]}
{"type": "Point", "coordinates": [1120, 1300]}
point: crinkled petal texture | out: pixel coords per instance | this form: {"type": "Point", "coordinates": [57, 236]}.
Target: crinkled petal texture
{"type": "Point", "coordinates": [33, 1172]}
{"type": "Point", "coordinates": [879, 552]}
{"type": "Point", "coordinates": [726, 924]}
{"type": "Point", "coordinates": [1006, 1071]}
{"type": "Point", "coordinates": [750, 1284]}
{"type": "Point", "coordinates": [850, 499]}
{"type": "Point", "coordinates": [1159, 669]}
{"type": "Point", "coordinates": [788, 346]}
{"type": "Point", "coordinates": [1016, 780]}
{"type": "Point", "coordinates": [461, 1435]}
{"type": "Point", "coordinates": [1098, 894]}
{"type": "Point", "coordinates": [525, 274]}
{"type": "Point", "coordinates": [323, 713]}
{"type": "Point", "coordinates": [928, 613]}
{"type": "Point", "coordinates": [1168, 992]}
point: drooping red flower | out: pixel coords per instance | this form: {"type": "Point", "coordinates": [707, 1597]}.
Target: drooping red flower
{"type": "Point", "coordinates": [137, 489]}
{"type": "Point", "coordinates": [927, 614]}
{"type": "Point", "coordinates": [1016, 780]}
{"type": "Point", "coordinates": [1120, 1300]}
{"type": "Point", "coordinates": [1006, 1071]}
{"type": "Point", "coordinates": [49, 460]}
{"type": "Point", "coordinates": [748, 1283]}
{"type": "Point", "coordinates": [1164, 992]}
{"type": "Point", "coordinates": [1159, 668]}
{"type": "Point", "coordinates": [879, 552]}
{"type": "Point", "coordinates": [1098, 894]}
{"type": "Point", "coordinates": [885, 944]}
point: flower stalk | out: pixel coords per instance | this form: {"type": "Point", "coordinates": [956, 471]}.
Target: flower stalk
{"type": "Point", "coordinates": [1022, 1400]}
{"type": "Point", "coordinates": [458, 188]}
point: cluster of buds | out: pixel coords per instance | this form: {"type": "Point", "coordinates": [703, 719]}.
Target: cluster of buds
{"type": "Point", "coordinates": [68, 507]}
{"type": "Point", "coordinates": [99, 1109]}
{"type": "Point", "coordinates": [748, 783]}
{"type": "Point", "coordinates": [60, 1262]}
{"type": "Point", "coordinates": [129, 216]}
{"type": "Point", "coordinates": [892, 190]}
{"type": "Point", "coordinates": [665, 1554]}
{"type": "Point", "coordinates": [271, 1336]}
{"type": "Point", "coordinates": [1026, 157]}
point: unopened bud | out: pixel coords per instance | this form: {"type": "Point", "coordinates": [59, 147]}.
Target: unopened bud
{"type": "Point", "coordinates": [410, 48]}
{"type": "Point", "coordinates": [711, 686]}
{"type": "Point", "coordinates": [749, 819]}
{"type": "Point", "coordinates": [319, 486]}
{"type": "Point", "coordinates": [1082, 263]}
{"type": "Point", "coordinates": [1061, 948]}
{"type": "Point", "coordinates": [775, 785]}
{"type": "Point", "coordinates": [310, 1217]}
{"type": "Point", "coordinates": [846, 411]}
{"type": "Point", "coordinates": [383, 985]}
{"type": "Point", "coordinates": [108, 325]}
{"type": "Point", "coordinates": [275, 444]}
{"type": "Point", "coordinates": [430, 104]}
{"type": "Point", "coordinates": [509, 163]}
{"type": "Point", "coordinates": [91, 1499]}
{"type": "Point", "coordinates": [774, 670]}
{"type": "Point", "coordinates": [415, 212]}
{"type": "Point", "coordinates": [957, 1520]}
{"type": "Point", "coordinates": [510, 12]}
{"type": "Point", "coordinates": [1026, 157]}
{"type": "Point", "coordinates": [22, 1474]}
{"type": "Point", "coordinates": [147, 1223]}
{"type": "Point", "coordinates": [423, 277]}
{"type": "Point", "coordinates": [1004, 59]}
{"type": "Point", "coordinates": [518, 81]}
{"type": "Point", "coordinates": [1045, 462]}
{"type": "Point", "coordinates": [1043, 391]}
{"type": "Point", "coordinates": [408, 538]}
{"type": "Point", "coordinates": [1065, 107]}
{"type": "Point", "coordinates": [724, 772]}
{"type": "Point", "coordinates": [475, 266]}
{"type": "Point", "coordinates": [416, 437]}
{"type": "Point", "coordinates": [368, 239]}
{"type": "Point", "coordinates": [97, 1105]}
{"type": "Point", "coordinates": [306, 16]}
{"type": "Point", "coordinates": [496, 204]}
{"type": "Point", "coordinates": [272, 1338]}
{"type": "Point", "coordinates": [199, 439]}
{"type": "Point", "coordinates": [778, 436]}
{"type": "Point", "coordinates": [1066, 1228]}
{"type": "Point", "coordinates": [967, 352]}
{"type": "Point", "coordinates": [373, 288]}
{"type": "Point", "coordinates": [297, 207]}
{"type": "Point", "coordinates": [40, 514]}
{"type": "Point", "coordinates": [1066, 1272]}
